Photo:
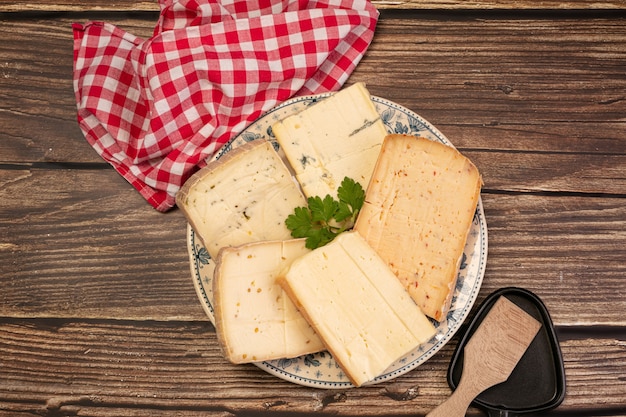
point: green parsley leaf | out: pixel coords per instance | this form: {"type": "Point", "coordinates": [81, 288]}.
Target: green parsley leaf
{"type": "Point", "coordinates": [325, 218]}
{"type": "Point", "coordinates": [299, 222]}
{"type": "Point", "coordinates": [322, 210]}
{"type": "Point", "coordinates": [351, 193]}
{"type": "Point", "coordinates": [344, 212]}
{"type": "Point", "coordinates": [319, 237]}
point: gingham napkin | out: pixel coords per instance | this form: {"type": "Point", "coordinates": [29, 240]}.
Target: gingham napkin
{"type": "Point", "coordinates": [157, 108]}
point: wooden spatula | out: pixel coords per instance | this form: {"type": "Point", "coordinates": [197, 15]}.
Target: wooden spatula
{"type": "Point", "coordinates": [491, 354]}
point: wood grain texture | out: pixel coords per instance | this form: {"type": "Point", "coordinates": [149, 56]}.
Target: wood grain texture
{"type": "Point", "coordinates": [542, 86]}
{"type": "Point", "coordinates": [98, 314]}
{"type": "Point", "coordinates": [138, 5]}
{"type": "Point", "coordinates": [84, 367]}
{"type": "Point", "coordinates": [91, 231]}
{"type": "Point", "coordinates": [116, 257]}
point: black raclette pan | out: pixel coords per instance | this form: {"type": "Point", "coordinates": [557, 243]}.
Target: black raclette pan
{"type": "Point", "coordinates": [538, 381]}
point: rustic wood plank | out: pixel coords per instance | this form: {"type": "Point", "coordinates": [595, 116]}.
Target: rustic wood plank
{"type": "Point", "coordinates": [116, 257]}
{"type": "Point", "coordinates": [550, 85]}
{"type": "Point", "coordinates": [138, 5]}
{"type": "Point", "coordinates": [79, 6]}
{"type": "Point", "coordinates": [505, 73]}
{"type": "Point", "coordinates": [93, 233]}
{"type": "Point", "coordinates": [73, 367]}
{"type": "Point", "coordinates": [555, 246]}
{"type": "Point", "coordinates": [98, 315]}
{"type": "Point", "coordinates": [37, 103]}
{"type": "Point", "coordinates": [552, 172]}
{"type": "Point", "coordinates": [498, 4]}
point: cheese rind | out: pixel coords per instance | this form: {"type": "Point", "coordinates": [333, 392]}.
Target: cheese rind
{"type": "Point", "coordinates": [337, 137]}
{"type": "Point", "coordinates": [243, 197]}
{"type": "Point", "coordinates": [254, 319]}
{"type": "Point", "coordinates": [418, 210]}
{"type": "Point", "coordinates": [357, 306]}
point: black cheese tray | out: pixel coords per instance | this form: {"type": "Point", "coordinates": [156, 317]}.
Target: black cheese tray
{"type": "Point", "coordinates": [538, 381]}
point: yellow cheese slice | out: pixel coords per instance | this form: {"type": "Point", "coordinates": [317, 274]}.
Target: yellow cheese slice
{"type": "Point", "coordinates": [243, 197]}
{"type": "Point", "coordinates": [357, 306]}
{"type": "Point", "coordinates": [418, 210]}
{"type": "Point", "coordinates": [254, 319]}
{"type": "Point", "coordinates": [337, 137]}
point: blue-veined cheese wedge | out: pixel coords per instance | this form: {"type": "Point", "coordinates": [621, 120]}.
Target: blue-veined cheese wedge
{"type": "Point", "coordinates": [254, 319]}
{"type": "Point", "coordinates": [243, 197]}
{"type": "Point", "coordinates": [357, 306]}
{"type": "Point", "coordinates": [418, 210]}
{"type": "Point", "coordinates": [337, 137]}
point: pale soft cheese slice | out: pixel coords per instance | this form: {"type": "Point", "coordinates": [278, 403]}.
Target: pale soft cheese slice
{"type": "Point", "coordinates": [357, 306]}
{"type": "Point", "coordinates": [245, 196]}
{"type": "Point", "coordinates": [254, 319]}
{"type": "Point", "coordinates": [336, 137]}
{"type": "Point", "coordinates": [418, 210]}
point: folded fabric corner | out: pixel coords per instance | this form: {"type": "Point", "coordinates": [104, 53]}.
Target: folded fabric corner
{"type": "Point", "coordinates": [156, 109]}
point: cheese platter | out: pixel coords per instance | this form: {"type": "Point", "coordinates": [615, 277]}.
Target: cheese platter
{"type": "Point", "coordinates": [320, 370]}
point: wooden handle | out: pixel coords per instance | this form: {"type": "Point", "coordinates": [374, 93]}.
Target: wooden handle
{"type": "Point", "coordinates": [457, 403]}
{"type": "Point", "coordinates": [491, 354]}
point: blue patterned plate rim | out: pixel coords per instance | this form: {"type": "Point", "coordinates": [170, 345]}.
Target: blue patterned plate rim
{"type": "Point", "coordinates": [319, 370]}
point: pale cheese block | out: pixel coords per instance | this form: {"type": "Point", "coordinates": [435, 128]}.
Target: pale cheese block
{"type": "Point", "coordinates": [254, 319]}
{"type": "Point", "coordinates": [419, 207]}
{"type": "Point", "coordinates": [245, 196]}
{"type": "Point", "coordinates": [337, 137]}
{"type": "Point", "coordinates": [357, 306]}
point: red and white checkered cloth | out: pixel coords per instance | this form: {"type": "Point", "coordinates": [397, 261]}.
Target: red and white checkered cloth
{"type": "Point", "coordinates": [157, 108]}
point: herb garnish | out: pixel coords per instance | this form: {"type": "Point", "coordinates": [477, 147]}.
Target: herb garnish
{"type": "Point", "coordinates": [325, 218]}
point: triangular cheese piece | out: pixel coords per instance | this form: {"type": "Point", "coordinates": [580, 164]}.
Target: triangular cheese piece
{"type": "Point", "coordinates": [357, 306]}
{"type": "Point", "coordinates": [245, 196]}
{"type": "Point", "coordinates": [418, 210]}
{"type": "Point", "coordinates": [254, 319]}
{"type": "Point", "coordinates": [339, 136]}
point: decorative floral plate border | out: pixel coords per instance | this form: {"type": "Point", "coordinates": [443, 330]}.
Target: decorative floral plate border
{"type": "Point", "coordinates": [320, 369]}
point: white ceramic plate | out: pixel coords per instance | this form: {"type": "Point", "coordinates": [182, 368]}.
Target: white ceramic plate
{"type": "Point", "coordinates": [320, 370]}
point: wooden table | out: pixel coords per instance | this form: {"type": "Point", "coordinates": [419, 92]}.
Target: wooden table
{"type": "Point", "coordinates": [98, 313]}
